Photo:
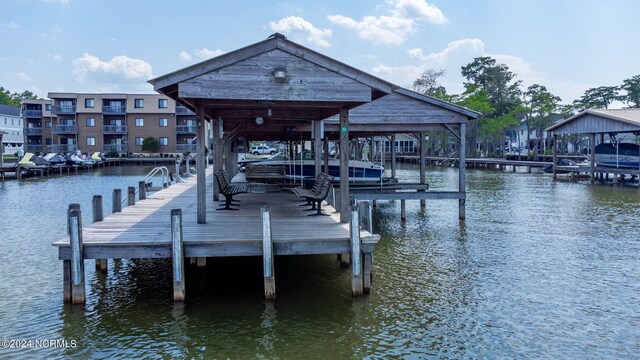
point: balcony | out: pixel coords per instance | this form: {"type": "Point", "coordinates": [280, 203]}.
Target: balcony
{"type": "Point", "coordinates": [33, 148]}
{"type": "Point", "coordinates": [186, 147]}
{"type": "Point", "coordinates": [63, 109]}
{"type": "Point", "coordinates": [121, 148]}
{"type": "Point", "coordinates": [32, 113]}
{"type": "Point", "coordinates": [185, 129]}
{"type": "Point", "coordinates": [114, 110]}
{"type": "Point", "coordinates": [33, 131]}
{"type": "Point", "coordinates": [114, 129]}
{"type": "Point", "coordinates": [63, 148]}
{"type": "Point", "coordinates": [64, 129]}
{"type": "Point", "coordinates": [183, 110]}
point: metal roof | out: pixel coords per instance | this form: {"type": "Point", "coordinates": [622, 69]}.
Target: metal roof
{"type": "Point", "coordinates": [599, 121]}
{"type": "Point", "coordinates": [9, 110]}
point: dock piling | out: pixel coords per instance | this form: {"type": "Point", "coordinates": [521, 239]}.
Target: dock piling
{"type": "Point", "coordinates": [131, 196]}
{"type": "Point", "coordinates": [116, 199]}
{"type": "Point", "coordinates": [357, 287]}
{"type": "Point", "coordinates": [403, 210]}
{"type": "Point", "coordinates": [267, 255]}
{"type": "Point", "coordinates": [142, 188]}
{"type": "Point", "coordinates": [177, 255]}
{"type": "Point", "coordinates": [367, 259]}
{"type": "Point", "coordinates": [78, 295]}
{"type": "Point", "coordinates": [98, 215]}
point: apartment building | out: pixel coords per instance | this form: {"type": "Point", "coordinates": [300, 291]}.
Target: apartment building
{"type": "Point", "coordinates": [11, 126]}
{"type": "Point", "coordinates": [107, 123]}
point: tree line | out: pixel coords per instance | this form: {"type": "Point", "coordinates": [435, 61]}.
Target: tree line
{"type": "Point", "coordinates": [14, 99]}
{"type": "Point", "coordinates": [494, 91]}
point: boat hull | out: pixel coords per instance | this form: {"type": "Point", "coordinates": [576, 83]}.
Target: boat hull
{"type": "Point", "coordinates": [625, 156]}
{"type": "Point", "coordinates": [359, 171]}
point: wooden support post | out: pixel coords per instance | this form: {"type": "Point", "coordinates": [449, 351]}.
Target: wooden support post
{"type": "Point", "coordinates": [267, 255]}
{"type": "Point", "coordinates": [116, 200]}
{"type": "Point", "coordinates": [357, 287]}
{"type": "Point", "coordinates": [423, 155]}
{"type": "Point", "coordinates": [201, 262]}
{"type": "Point", "coordinates": [201, 185]}
{"type": "Point", "coordinates": [131, 196]}
{"type": "Point", "coordinates": [367, 260]}
{"type": "Point", "coordinates": [177, 255]}
{"type": "Point", "coordinates": [325, 149]}
{"type": "Point", "coordinates": [403, 210]}
{"type": "Point", "coordinates": [393, 156]}
{"type": "Point", "coordinates": [142, 189]}
{"type": "Point", "coordinates": [462, 149]}
{"type": "Point", "coordinates": [98, 215]}
{"type": "Point", "coordinates": [344, 165]}
{"type": "Point", "coordinates": [555, 157]}
{"type": "Point", "coordinates": [78, 295]}
{"type": "Point", "coordinates": [66, 281]}
{"type": "Point", "coordinates": [345, 260]}
{"type": "Point", "coordinates": [365, 215]}
{"type": "Point", "coordinates": [592, 146]}
{"type": "Point", "coordinates": [317, 145]}
{"type": "Point", "coordinates": [97, 208]}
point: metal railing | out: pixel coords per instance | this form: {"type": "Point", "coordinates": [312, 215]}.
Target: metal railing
{"type": "Point", "coordinates": [112, 109]}
{"type": "Point", "coordinates": [33, 131]}
{"type": "Point", "coordinates": [62, 148]}
{"type": "Point", "coordinates": [114, 129]}
{"type": "Point", "coordinates": [63, 109]}
{"type": "Point", "coordinates": [183, 110]}
{"type": "Point", "coordinates": [114, 147]}
{"type": "Point", "coordinates": [33, 148]}
{"type": "Point", "coordinates": [32, 113]}
{"type": "Point", "coordinates": [186, 129]}
{"type": "Point", "coordinates": [166, 178]}
{"type": "Point", "coordinates": [64, 129]}
{"type": "Point", "coordinates": [186, 147]}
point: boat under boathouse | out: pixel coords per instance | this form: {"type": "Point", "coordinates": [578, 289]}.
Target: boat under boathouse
{"type": "Point", "coordinates": [608, 154]}
{"type": "Point", "coordinates": [268, 90]}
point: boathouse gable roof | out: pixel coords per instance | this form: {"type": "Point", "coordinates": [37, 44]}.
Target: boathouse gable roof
{"type": "Point", "coordinates": [242, 67]}
{"type": "Point", "coordinates": [599, 121]}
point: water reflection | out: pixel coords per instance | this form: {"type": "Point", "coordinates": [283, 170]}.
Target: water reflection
{"type": "Point", "coordinates": [538, 269]}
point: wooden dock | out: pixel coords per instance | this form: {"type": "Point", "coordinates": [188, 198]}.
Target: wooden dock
{"type": "Point", "coordinates": [144, 230]}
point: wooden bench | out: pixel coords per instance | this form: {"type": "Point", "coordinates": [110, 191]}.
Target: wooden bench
{"type": "Point", "coordinates": [265, 173]}
{"type": "Point", "coordinates": [228, 189]}
{"type": "Point", "coordinates": [317, 193]}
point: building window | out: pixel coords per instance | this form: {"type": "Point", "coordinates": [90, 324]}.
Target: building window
{"type": "Point", "coordinates": [89, 103]}
{"type": "Point", "coordinates": [91, 122]}
{"type": "Point", "coordinates": [139, 122]}
{"type": "Point", "coordinates": [48, 141]}
{"type": "Point", "coordinates": [138, 103]}
{"type": "Point", "coordinates": [164, 123]}
{"type": "Point", "coordinates": [91, 141]}
{"type": "Point", "coordinates": [163, 103]}
{"type": "Point", "coordinates": [164, 141]}
{"type": "Point", "coordinates": [139, 141]}
{"type": "Point", "coordinates": [47, 107]}
{"type": "Point", "coordinates": [47, 124]}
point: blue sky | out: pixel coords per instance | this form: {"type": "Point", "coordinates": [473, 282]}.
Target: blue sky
{"type": "Point", "coordinates": [115, 46]}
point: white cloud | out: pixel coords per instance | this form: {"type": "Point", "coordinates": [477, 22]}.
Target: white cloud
{"type": "Point", "coordinates": [55, 57]}
{"type": "Point", "coordinates": [119, 68]}
{"type": "Point", "coordinates": [200, 54]}
{"type": "Point", "coordinates": [23, 76]}
{"type": "Point", "coordinates": [9, 26]}
{"type": "Point", "coordinates": [396, 28]}
{"type": "Point", "coordinates": [300, 27]}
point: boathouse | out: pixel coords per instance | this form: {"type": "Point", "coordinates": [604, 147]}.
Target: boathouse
{"type": "Point", "coordinates": [597, 124]}
{"type": "Point", "coordinates": [274, 89]}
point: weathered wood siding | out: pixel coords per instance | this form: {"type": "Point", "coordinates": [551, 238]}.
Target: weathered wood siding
{"type": "Point", "coordinates": [590, 123]}
{"type": "Point", "coordinates": [402, 110]}
{"type": "Point", "coordinates": [252, 79]}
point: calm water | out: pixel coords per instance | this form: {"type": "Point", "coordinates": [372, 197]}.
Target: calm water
{"type": "Point", "coordinates": [540, 269]}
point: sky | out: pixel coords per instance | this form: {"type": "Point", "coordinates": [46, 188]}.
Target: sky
{"type": "Point", "coordinates": [568, 46]}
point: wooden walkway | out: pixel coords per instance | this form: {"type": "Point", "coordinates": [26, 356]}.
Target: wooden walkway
{"type": "Point", "coordinates": [144, 230]}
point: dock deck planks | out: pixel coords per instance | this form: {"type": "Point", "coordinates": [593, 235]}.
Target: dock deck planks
{"type": "Point", "coordinates": [144, 229]}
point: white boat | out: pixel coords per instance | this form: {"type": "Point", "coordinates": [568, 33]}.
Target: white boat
{"type": "Point", "coordinates": [359, 171]}
{"type": "Point", "coordinates": [624, 155]}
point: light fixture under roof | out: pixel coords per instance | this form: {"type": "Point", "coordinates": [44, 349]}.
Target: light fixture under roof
{"type": "Point", "coordinates": [280, 74]}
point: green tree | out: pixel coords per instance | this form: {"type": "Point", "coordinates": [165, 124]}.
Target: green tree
{"type": "Point", "coordinates": [429, 84]}
{"type": "Point", "coordinates": [7, 98]}
{"type": "Point", "coordinates": [597, 98]}
{"type": "Point", "coordinates": [632, 88]}
{"type": "Point", "coordinates": [150, 144]}
{"type": "Point", "coordinates": [539, 107]}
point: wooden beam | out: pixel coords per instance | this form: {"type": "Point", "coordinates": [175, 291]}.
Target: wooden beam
{"type": "Point", "coordinates": [179, 289]}
{"type": "Point", "coordinates": [344, 165]}
{"type": "Point", "coordinates": [200, 166]}
{"type": "Point", "coordinates": [215, 121]}
{"type": "Point", "coordinates": [423, 157]}
{"type": "Point", "coordinates": [592, 145]}
{"type": "Point", "coordinates": [462, 149]}
{"type": "Point", "coordinates": [131, 196]}
{"type": "Point", "coordinates": [78, 295]}
{"type": "Point", "coordinates": [393, 156]}
{"type": "Point", "coordinates": [267, 255]}
{"type": "Point", "coordinates": [357, 287]}
{"type": "Point", "coordinates": [317, 145]}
